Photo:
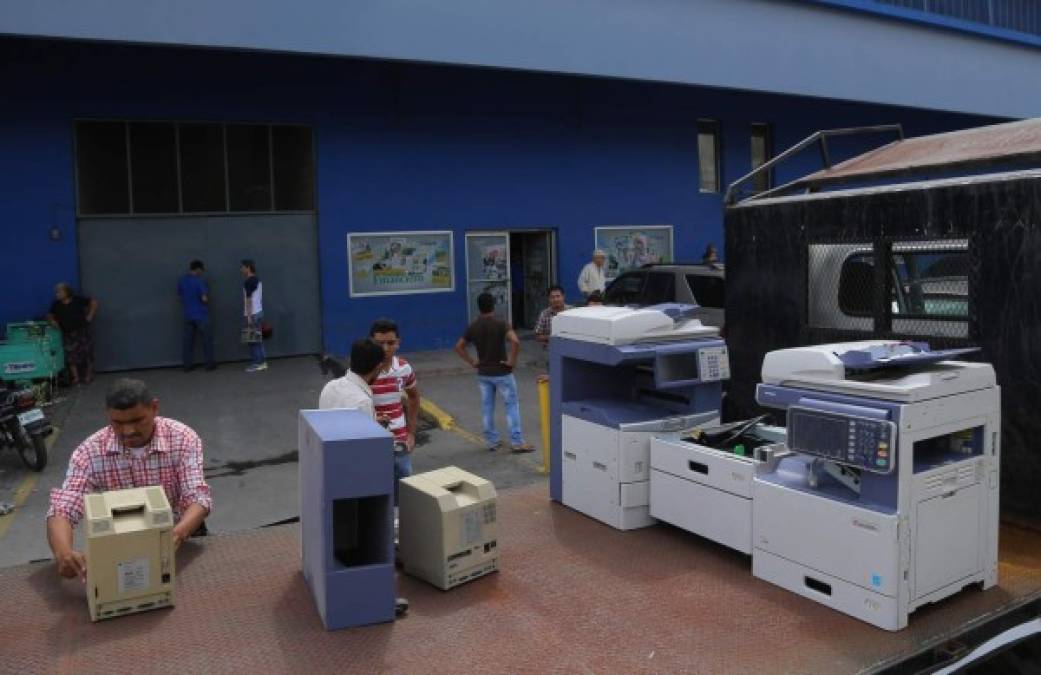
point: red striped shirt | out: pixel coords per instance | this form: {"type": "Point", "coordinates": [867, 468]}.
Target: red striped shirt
{"type": "Point", "coordinates": [387, 391]}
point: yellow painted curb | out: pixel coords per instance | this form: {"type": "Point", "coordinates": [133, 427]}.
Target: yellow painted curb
{"type": "Point", "coordinates": [443, 419]}
{"type": "Point", "coordinates": [25, 488]}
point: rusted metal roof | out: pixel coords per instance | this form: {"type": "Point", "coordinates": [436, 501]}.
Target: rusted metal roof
{"type": "Point", "coordinates": [1011, 142]}
{"type": "Point", "coordinates": [1010, 146]}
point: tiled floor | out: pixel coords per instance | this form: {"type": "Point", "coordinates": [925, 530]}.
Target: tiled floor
{"type": "Point", "coordinates": [573, 596]}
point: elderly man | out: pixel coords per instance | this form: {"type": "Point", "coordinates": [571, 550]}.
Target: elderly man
{"type": "Point", "coordinates": [592, 276]}
{"type": "Point", "coordinates": [137, 449]}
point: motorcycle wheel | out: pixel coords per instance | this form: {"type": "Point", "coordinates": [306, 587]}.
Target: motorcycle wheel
{"type": "Point", "coordinates": [33, 450]}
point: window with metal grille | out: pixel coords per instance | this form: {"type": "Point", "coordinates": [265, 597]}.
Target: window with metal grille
{"type": "Point", "coordinates": [709, 164]}
{"type": "Point", "coordinates": [927, 283]}
{"type": "Point", "coordinates": [180, 168]}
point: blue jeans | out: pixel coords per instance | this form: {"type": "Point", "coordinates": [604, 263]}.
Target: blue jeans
{"type": "Point", "coordinates": [256, 349]}
{"type": "Point", "coordinates": [402, 469]}
{"type": "Point", "coordinates": [202, 328]}
{"type": "Point", "coordinates": [507, 386]}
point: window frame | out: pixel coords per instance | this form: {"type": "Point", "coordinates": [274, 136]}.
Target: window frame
{"type": "Point", "coordinates": [181, 213]}
{"type": "Point", "coordinates": [768, 151]}
{"type": "Point", "coordinates": [713, 128]}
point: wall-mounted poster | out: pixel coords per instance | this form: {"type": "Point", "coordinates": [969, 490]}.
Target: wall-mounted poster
{"type": "Point", "coordinates": [630, 246]}
{"type": "Point", "coordinates": [400, 262]}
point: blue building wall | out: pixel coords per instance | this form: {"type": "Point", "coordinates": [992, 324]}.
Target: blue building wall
{"type": "Point", "coordinates": [399, 147]}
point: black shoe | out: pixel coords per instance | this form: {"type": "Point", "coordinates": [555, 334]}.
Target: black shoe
{"type": "Point", "coordinates": [211, 367]}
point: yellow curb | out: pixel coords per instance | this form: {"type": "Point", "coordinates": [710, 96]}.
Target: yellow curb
{"type": "Point", "coordinates": [443, 419]}
{"type": "Point", "coordinates": [25, 488]}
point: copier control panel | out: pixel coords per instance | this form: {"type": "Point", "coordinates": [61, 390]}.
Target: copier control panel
{"type": "Point", "coordinates": [862, 442]}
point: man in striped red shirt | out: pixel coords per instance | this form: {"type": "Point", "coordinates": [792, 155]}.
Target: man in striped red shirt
{"type": "Point", "coordinates": [396, 378]}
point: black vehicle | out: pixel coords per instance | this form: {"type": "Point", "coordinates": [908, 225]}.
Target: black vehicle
{"type": "Point", "coordinates": [24, 427]}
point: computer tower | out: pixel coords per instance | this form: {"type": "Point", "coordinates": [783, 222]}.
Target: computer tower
{"type": "Point", "coordinates": [448, 527]}
{"type": "Point", "coordinates": [130, 552]}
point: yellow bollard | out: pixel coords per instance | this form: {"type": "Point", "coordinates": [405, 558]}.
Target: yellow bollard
{"type": "Point", "coordinates": [543, 384]}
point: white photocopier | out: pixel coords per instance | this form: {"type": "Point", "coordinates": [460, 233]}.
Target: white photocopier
{"type": "Point", "coordinates": [890, 498]}
{"type": "Point", "coordinates": [618, 376]}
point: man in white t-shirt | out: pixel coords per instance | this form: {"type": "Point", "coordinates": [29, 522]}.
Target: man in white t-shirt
{"type": "Point", "coordinates": [592, 276]}
{"type": "Point", "coordinates": [253, 312]}
{"type": "Point", "coordinates": [354, 390]}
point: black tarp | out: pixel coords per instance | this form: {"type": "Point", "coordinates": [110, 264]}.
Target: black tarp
{"type": "Point", "coordinates": [768, 279]}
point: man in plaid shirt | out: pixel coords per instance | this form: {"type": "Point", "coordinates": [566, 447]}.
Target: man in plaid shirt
{"type": "Point", "coordinates": [137, 449]}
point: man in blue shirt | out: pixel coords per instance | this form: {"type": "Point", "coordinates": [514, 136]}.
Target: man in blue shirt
{"type": "Point", "coordinates": [195, 299]}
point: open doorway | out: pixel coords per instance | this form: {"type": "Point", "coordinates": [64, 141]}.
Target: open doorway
{"type": "Point", "coordinates": [517, 267]}
{"type": "Point", "coordinates": [532, 274]}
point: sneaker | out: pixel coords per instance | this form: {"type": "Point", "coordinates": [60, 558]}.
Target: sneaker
{"type": "Point", "coordinates": [497, 445]}
{"type": "Point", "coordinates": [522, 447]}
{"type": "Point", "coordinates": [256, 367]}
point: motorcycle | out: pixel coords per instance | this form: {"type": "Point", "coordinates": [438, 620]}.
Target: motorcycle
{"type": "Point", "coordinates": [24, 427]}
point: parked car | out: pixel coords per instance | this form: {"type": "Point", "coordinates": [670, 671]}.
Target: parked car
{"type": "Point", "coordinates": [702, 285]}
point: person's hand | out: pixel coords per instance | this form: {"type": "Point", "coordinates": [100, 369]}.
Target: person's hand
{"type": "Point", "coordinates": [72, 564]}
{"type": "Point", "coordinates": [178, 536]}
{"type": "Point", "coordinates": [410, 442]}
{"type": "Point", "coordinates": [508, 364]}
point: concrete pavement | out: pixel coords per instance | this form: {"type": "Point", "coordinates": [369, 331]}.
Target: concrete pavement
{"type": "Point", "coordinates": [248, 423]}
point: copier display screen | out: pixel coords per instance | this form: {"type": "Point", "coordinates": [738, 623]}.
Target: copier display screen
{"type": "Point", "coordinates": [855, 441]}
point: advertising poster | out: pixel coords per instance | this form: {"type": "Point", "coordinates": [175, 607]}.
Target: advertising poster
{"type": "Point", "coordinates": [400, 262]}
{"type": "Point", "coordinates": [629, 246]}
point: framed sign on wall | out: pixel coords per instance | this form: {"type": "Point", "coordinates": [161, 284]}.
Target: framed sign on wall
{"type": "Point", "coordinates": [396, 263]}
{"type": "Point", "coordinates": [630, 246]}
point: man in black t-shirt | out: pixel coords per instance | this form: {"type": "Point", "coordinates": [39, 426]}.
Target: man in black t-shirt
{"type": "Point", "coordinates": [489, 335]}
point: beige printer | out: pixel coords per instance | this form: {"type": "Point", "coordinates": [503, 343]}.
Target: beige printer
{"type": "Point", "coordinates": [130, 553]}
{"type": "Point", "coordinates": [448, 531]}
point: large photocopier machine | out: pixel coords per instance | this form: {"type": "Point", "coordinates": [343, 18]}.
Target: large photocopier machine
{"type": "Point", "coordinates": [890, 498]}
{"type": "Point", "coordinates": [618, 377]}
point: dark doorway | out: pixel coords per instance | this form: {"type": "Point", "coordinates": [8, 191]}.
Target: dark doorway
{"type": "Point", "coordinates": [532, 272]}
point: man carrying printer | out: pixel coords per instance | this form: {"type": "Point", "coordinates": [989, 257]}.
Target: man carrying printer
{"type": "Point", "coordinates": [137, 449]}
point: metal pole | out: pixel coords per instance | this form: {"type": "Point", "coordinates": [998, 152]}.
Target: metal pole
{"type": "Point", "coordinates": [543, 385]}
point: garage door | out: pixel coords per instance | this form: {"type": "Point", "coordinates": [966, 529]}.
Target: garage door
{"type": "Point", "coordinates": [152, 196]}
{"type": "Point", "coordinates": [132, 266]}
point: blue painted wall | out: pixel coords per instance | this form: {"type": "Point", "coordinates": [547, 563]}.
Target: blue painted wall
{"type": "Point", "coordinates": [399, 147]}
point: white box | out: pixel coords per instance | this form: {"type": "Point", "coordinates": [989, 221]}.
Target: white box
{"type": "Point", "coordinates": [448, 526]}
{"type": "Point", "coordinates": [130, 553]}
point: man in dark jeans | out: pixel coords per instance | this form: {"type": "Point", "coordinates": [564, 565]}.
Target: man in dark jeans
{"type": "Point", "coordinates": [489, 334]}
{"type": "Point", "coordinates": [195, 300]}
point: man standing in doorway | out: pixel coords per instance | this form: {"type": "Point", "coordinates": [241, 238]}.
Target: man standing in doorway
{"type": "Point", "coordinates": [489, 334]}
{"type": "Point", "coordinates": [544, 326]}
{"type": "Point", "coordinates": [396, 379]}
{"type": "Point", "coordinates": [592, 276]}
{"type": "Point", "coordinates": [195, 300]}
{"type": "Point", "coordinates": [253, 312]}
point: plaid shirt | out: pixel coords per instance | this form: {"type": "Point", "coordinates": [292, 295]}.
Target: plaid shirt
{"type": "Point", "coordinates": [101, 463]}
{"type": "Point", "coordinates": [545, 323]}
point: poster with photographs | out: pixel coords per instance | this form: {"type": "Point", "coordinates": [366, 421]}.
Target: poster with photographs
{"type": "Point", "coordinates": [630, 246]}
{"type": "Point", "coordinates": [400, 262]}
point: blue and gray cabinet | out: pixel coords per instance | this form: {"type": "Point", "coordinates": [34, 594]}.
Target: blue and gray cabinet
{"type": "Point", "coordinates": [347, 516]}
